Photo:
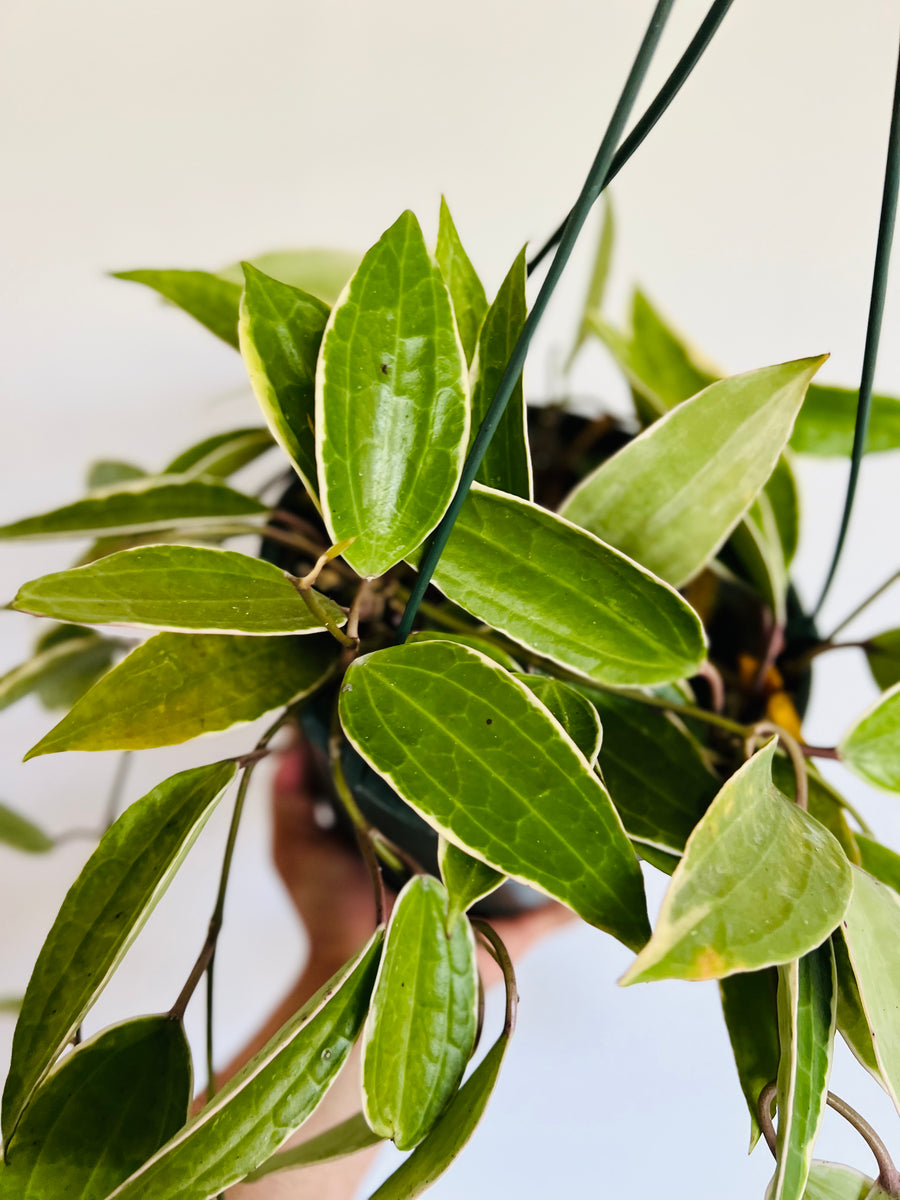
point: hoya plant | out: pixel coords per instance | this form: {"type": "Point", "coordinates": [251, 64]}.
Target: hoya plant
{"type": "Point", "coordinates": [537, 654]}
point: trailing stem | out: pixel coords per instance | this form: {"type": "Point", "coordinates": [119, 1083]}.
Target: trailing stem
{"type": "Point", "coordinates": [206, 957]}
{"type": "Point", "coordinates": [888, 1175]}
{"type": "Point", "coordinates": [500, 955]}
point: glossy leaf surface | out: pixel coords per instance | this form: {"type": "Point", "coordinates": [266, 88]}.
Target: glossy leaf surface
{"type": "Point", "coordinates": [806, 1021]}
{"type": "Point", "coordinates": [280, 331]}
{"type": "Point", "coordinates": [826, 422]}
{"type": "Point", "coordinates": [185, 589]}
{"type": "Point", "coordinates": [208, 298]}
{"type": "Point", "coordinates": [20, 833]}
{"type": "Point", "coordinates": [562, 593]}
{"type": "Point", "coordinates": [177, 686]}
{"type": "Point", "coordinates": [872, 747]}
{"type": "Point", "coordinates": [61, 673]}
{"type": "Point", "coordinates": [871, 930]}
{"type": "Point", "coordinates": [472, 641]}
{"type": "Point", "coordinates": [507, 462]}
{"type": "Point", "coordinates": [655, 775]}
{"type": "Point", "coordinates": [751, 1017]}
{"type": "Point", "coordinates": [104, 1110]}
{"type": "Point", "coordinates": [574, 711]}
{"type": "Point", "coordinates": [349, 1137]}
{"type": "Point", "coordinates": [466, 290]}
{"type": "Point", "coordinates": [760, 883]}
{"type": "Point", "coordinates": [433, 1156]}
{"type": "Point", "coordinates": [319, 271]}
{"type": "Point", "coordinates": [392, 403]}
{"type": "Point", "coordinates": [222, 454]}
{"type": "Point", "coordinates": [145, 505]}
{"type": "Point", "coordinates": [101, 916]}
{"type": "Point", "coordinates": [475, 754]}
{"type": "Point", "coordinates": [260, 1107]}
{"type": "Point", "coordinates": [420, 1031]}
{"type": "Point", "coordinates": [671, 497]}
{"type": "Point", "coordinates": [883, 656]}
{"type": "Point", "coordinates": [466, 879]}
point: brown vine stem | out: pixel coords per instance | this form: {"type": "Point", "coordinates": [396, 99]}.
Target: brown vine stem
{"type": "Point", "coordinates": [361, 827]}
{"type": "Point", "coordinates": [888, 1175]}
{"type": "Point", "coordinates": [501, 956]}
{"type": "Point", "coordinates": [206, 957]}
{"type": "Point", "coordinates": [794, 751]}
{"type": "Point", "coordinates": [820, 751]}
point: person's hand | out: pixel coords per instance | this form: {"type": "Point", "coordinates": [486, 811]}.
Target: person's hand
{"type": "Point", "coordinates": [330, 886]}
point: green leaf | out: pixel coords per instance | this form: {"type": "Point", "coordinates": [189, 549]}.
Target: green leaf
{"type": "Point", "coordinates": [280, 331]}
{"type": "Point", "coordinates": [751, 1017]}
{"type": "Point", "coordinates": [472, 641]}
{"type": "Point", "coordinates": [593, 301]}
{"type": "Point", "coordinates": [147, 504]}
{"type": "Point", "coordinates": [62, 673]}
{"type": "Point", "coordinates": [10, 1005]}
{"type": "Point", "coordinates": [420, 1031]}
{"type": "Point", "coordinates": [825, 804]}
{"type": "Point", "coordinates": [806, 1022]}
{"type": "Point", "coordinates": [833, 1181]}
{"type": "Point", "coordinates": [208, 298]}
{"type": "Point", "coordinates": [574, 711]}
{"type": "Point", "coordinates": [466, 291]}
{"type": "Point", "coordinates": [781, 491]}
{"type": "Point", "coordinates": [669, 369]}
{"type": "Point", "coordinates": [755, 551]}
{"type": "Point", "coordinates": [178, 686]}
{"type": "Point", "coordinates": [104, 1111]}
{"type": "Point", "coordinates": [852, 1023]}
{"type": "Point", "coordinates": [760, 883]}
{"type": "Point", "coordinates": [879, 861]}
{"type": "Point", "coordinates": [871, 930]}
{"type": "Point", "coordinates": [105, 472]}
{"type": "Point", "coordinates": [562, 593]}
{"type": "Point", "coordinates": [507, 462]}
{"type": "Point", "coordinates": [180, 588]}
{"type": "Point", "coordinates": [671, 497]}
{"type": "Point", "coordinates": [20, 833]}
{"type": "Point", "coordinates": [872, 746]}
{"type": "Point", "coordinates": [271, 1097]}
{"type": "Point", "coordinates": [883, 657]}
{"type": "Point", "coordinates": [655, 775]}
{"type": "Point", "coordinates": [322, 273]}
{"type": "Point", "coordinates": [456, 1125]}
{"type": "Point", "coordinates": [222, 454]}
{"type": "Point", "coordinates": [101, 916]}
{"type": "Point", "coordinates": [466, 879]}
{"type": "Point", "coordinates": [349, 1137]}
{"type": "Point", "coordinates": [826, 422]}
{"type": "Point", "coordinates": [476, 754]}
{"type": "Point", "coordinates": [392, 404]}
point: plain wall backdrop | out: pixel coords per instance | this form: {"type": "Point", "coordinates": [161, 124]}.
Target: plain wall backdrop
{"type": "Point", "coordinates": [192, 133]}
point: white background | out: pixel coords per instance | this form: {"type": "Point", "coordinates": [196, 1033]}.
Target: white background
{"type": "Point", "coordinates": [193, 132]}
